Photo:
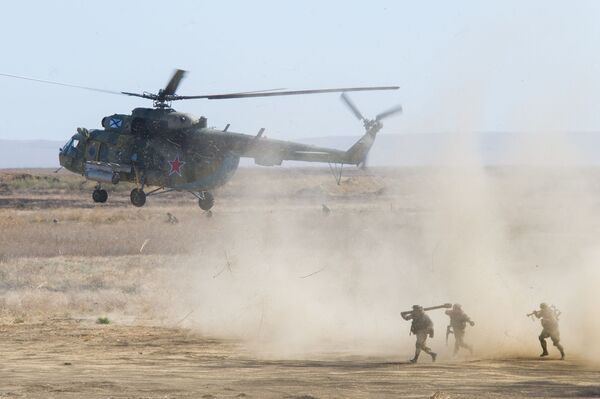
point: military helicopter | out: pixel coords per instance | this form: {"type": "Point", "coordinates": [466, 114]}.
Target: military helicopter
{"type": "Point", "coordinates": [175, 151]}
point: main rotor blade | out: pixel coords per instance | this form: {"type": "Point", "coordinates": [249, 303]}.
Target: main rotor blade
{"type": "Point", "coordinates": [352, 107]}
{"type": "Point", "coordinates": [168, 93]}
{"type": "Point", "coordinates": [150, 96]}
{"type": "Point", "coordinates": [174, 82]}
{"type": "Point", "coordinates": [284, 93]}
{"type": "Point", "coordinates": [389, 112]}
{"type": "Point", "coordinates": [60, 84]}
{"type": "Point", "coordinates": [153, 96]}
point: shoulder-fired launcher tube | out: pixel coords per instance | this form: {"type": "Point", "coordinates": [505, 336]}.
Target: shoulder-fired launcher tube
{"type": "Point", "coordinates": [444, 306]}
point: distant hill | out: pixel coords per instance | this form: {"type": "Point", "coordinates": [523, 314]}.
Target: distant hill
{"type": "Point", "coordinates": [29, 153]}
{"type": "Point", "coordinates": [392, 150]}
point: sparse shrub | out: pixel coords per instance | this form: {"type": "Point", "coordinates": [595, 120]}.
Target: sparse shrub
{"type": "Point", "coordinates": [103, 320]}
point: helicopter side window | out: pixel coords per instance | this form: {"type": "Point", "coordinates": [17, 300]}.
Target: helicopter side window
{"type": "Point", "coordinates": [92, 151]}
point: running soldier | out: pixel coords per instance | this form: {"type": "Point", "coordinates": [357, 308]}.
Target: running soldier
{"type": "Point", "coordinates": [549, 316]}
{"type": "Point", "coordinates": [422, 327]}
{"type": "Point", "coordinates": [458, 325]}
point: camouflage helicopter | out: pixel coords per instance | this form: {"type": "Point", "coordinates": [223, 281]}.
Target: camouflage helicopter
{"type": "Point", "coordinates": [174, 151]}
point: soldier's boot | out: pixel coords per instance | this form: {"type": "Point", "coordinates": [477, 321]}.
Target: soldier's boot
{"type": "Point", "coordinates": [417, 353]}
{"type": "Point", "coordinates": [430, 353]}
{"type": "Point", "coordinates": [544, 347]}
{"type": "Point", "coordinates": [561, 350]}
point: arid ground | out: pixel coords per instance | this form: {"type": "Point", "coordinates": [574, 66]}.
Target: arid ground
{"type": "Point", "coordinates": [292, 286]}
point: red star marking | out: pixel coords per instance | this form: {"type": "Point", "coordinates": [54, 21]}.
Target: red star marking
{"type": "Point", "coordinates": [176, 166]}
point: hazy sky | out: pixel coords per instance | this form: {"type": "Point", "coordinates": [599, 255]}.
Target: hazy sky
{"type": "Point", "coordinates": [473, 65]}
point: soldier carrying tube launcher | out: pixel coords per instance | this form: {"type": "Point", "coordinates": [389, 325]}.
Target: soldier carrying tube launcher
{"type": "Point", "coordinates": [422, 327]}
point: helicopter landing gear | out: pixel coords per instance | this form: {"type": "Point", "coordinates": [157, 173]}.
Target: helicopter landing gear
{"type": "Point", "coordinates": [99, 195]}
{"type": "Point", "coordinates": [205, 200]}
{"type": "Point", "coordinates": [138, 197]}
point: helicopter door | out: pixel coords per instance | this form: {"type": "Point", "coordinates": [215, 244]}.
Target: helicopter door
{"type": "Point", "coordinates": [92, 151]}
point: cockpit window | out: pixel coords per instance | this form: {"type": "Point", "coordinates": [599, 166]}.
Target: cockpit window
{"type": "Point", "coordinates": [66, 146]}
{"type": "Point", "coordinates": [71, 147]}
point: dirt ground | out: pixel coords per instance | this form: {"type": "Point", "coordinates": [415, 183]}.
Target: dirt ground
{"type": "Point", "coordinates": [185, 300]}
{"type": "Point", "coordinates": [76, 358]}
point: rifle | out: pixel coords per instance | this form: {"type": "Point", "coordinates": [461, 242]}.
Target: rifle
{"type": "Point", "coordinates": [446, 305]}
{"type": "Point", "coordinates": [556, 312]}
{"type": "Point", "coordinates": [448, 332]}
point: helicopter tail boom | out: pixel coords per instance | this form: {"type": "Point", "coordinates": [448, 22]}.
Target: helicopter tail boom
{"type": "Point", "coordinates": [269, 152]}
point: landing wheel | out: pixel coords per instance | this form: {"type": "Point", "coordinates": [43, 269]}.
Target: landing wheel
{"type": "Point", "coordinates": [100, 195]}
{"type": "Point", "coordinates": [206, 200]}
{"type": "Point", "coordinates": [138, 197]}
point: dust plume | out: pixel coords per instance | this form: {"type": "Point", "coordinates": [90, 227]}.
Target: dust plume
{"type": "Point", "coordinates": [499, 240]}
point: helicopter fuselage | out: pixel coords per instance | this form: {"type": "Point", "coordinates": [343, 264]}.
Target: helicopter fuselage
{"type": "Point", "coordinates": [155, 152]}
{"type": "Point", "coordinates": [176, 151]}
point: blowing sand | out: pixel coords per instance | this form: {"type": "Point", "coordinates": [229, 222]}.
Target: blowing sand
{"type": "Point", "coordinates": [272, 297]}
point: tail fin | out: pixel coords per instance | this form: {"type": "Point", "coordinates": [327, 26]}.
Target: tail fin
{"type": "Point", "coordinates": [357, 154]}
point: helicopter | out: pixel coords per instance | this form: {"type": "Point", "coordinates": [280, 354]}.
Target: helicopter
{"type": "Point", "coordinates": [168, 150]}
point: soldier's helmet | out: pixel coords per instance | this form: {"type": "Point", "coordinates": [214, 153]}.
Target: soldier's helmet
{"type": "Point", "coordinates": [543, 305]}
{"type": "Point", "coordinates": [417, 308]}
{"type": "Point", "coordinates": [456, 306]}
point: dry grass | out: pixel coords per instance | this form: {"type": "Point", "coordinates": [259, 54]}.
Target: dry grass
{"type": "Point", "coordinates": [38, 288]}
{"type": "Point", "coordinates": [46, 181]}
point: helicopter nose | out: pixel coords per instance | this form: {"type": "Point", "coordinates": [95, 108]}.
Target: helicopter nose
{"type": "Point", "coordinates": [62, 158]}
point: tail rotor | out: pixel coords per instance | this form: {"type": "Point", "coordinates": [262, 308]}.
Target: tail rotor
{"type": "Point", "coordinates": [352, 107]}
{"type": "Point", "coordinates": [359, 151]}
{"type": "Point", "coordinates": [392, 111]}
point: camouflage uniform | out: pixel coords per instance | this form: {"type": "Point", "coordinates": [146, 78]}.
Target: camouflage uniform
{"type": "Point", "coordinates": [422, 327]}
{"type": "Point", "coordinates": [550, 329]}
{"type": "Point", "coordinates": [458, 322]}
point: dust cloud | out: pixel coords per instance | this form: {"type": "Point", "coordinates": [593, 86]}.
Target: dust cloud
{"type": "Point", "coordinates": [499, 240]}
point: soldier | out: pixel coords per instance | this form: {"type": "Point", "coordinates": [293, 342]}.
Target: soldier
{"type": "Point", "coordinates": [549, 318]}
{"type": "Point", "coordinates": [421, 326]}
{"type": "Point", "coordinates": [458, 323]}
